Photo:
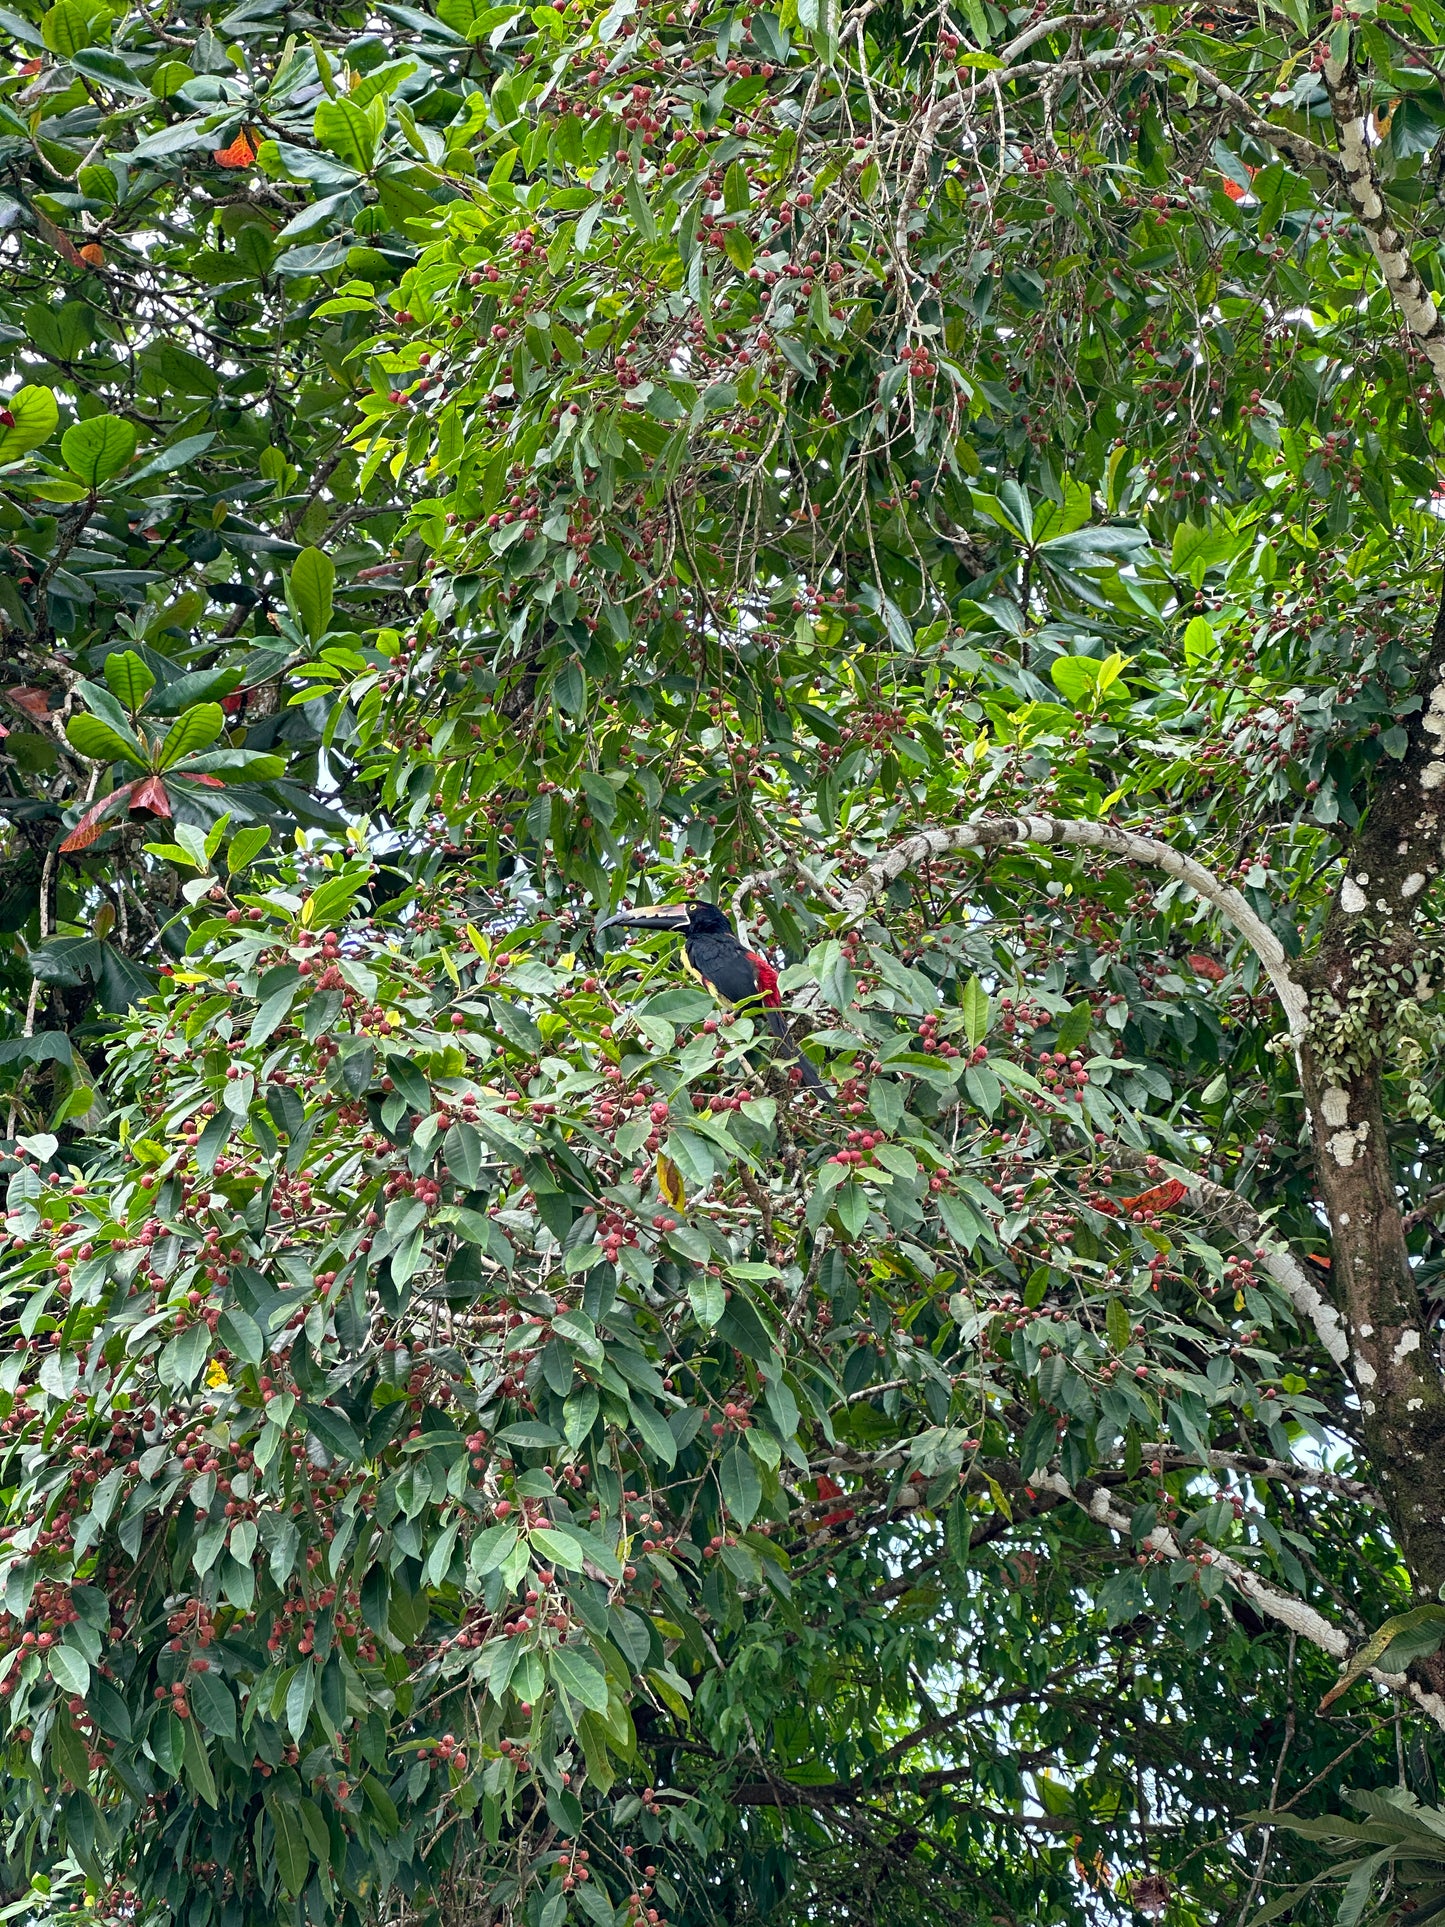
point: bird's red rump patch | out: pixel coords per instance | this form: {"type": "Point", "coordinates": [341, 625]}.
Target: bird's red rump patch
{"type": "Point", "coordinates": [767, 981]}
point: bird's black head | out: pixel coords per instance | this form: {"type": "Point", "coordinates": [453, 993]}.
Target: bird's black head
{"type": "Point", "coordinates": [694, 917]}
{"type": "Point", "coordinates": [706, 918]}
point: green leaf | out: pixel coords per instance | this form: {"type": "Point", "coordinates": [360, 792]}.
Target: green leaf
{"type": "Point", "coordinates": [465, 1154]}
{"type": "Point", "coordinates": [336, 1432]}
{"type": "Point", "coordinates": [98, 448]}
{"type": "Point", "coordinates": [706, 1297]}
{"type": "Point", "coordinates": [742, 1489]}
{"type": "Point", "coordinates": [191, 733]}
{"type": "Point", "coordinates": [1073, 1031]}
{"type": "Point", "coordinates": [100, 742]}
{"type": "Point", "coordinates": [69, 1670]}
{"type": "Point", "coordinates": [293, 1858]}
{"type": "Point", "coordinates": [580, 1415]}
{"type": "Point", "coordinates": [349, 131]}
{"type": "Point", "coordinates": [129, 679]}
{"type": "Point", "coordinates": [977, 1010]}
{"type": "Point", "coordinates": [738, 247]}
{"type": "Point", "coordinates": [246, 845]}
{"type": "Point", "coordinates": [33, 416]}
{"type": "Point", "coordinates": [557, 1548]}
{"type": "Point", "coordinates": [183, 1356]}
{"type": "Point", "coordinates": [577, 1673]}
{"type": "Point", "coordinates": [197, 1764]}
{"type": "Point", "coordinates": [239, 1333]}
{"type": "Point", "coordinates": [1120, 1324]}
{"type": "Point", "coordinates": [179, 455]}
{"type": "Point", "coordinates": [490, 1550]}
{"type": "Point", "coordinates": [69, 26]}
{"type": "Point", "coordinates": [213, 1703]}
{"type": "Point", "coordinates": [313, 579]}
{"type": "Point", "coordinates": [1423, 1628]}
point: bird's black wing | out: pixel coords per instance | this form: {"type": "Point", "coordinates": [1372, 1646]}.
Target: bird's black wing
{"type": "Point", "coordinates": [730, 973]}
{"type": "Point", "coordinates": [724, 966]}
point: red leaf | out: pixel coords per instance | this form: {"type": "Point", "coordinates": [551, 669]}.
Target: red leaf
{"type": "Point", "coordinates": [89, 829]}
{"type": "Point", "coordinates": [150, 794]}
{"type": "Point", "coordinates": [1162, 1197]}
{"type": "Point", "coordinates": [211, 782]}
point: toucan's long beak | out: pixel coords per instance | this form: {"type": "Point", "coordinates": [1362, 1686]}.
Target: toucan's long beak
{"type": "Point", "coordinates": [650, 916]}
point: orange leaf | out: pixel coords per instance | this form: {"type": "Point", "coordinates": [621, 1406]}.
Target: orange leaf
{"type": "Point", "coordinates": [90, 828]}
{"type": "Point", "coordinates": [239, 154]}
{"type": "Point", "coordinates": [1161, 1198]}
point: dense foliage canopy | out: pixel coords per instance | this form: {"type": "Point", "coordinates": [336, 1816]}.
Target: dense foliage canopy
{"type": "Point", "coordinates": [481, 1439]}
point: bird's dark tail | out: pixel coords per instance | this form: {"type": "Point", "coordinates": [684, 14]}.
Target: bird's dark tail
{"type": "Point", "coordinates": [778, 1025]}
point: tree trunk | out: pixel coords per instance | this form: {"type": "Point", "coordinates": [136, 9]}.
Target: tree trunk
{"type": "Point", "coordinates": [1370, 966]}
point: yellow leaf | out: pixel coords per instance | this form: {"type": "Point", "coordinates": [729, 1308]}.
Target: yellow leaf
{"type": "Point", "coordinates": [477, 940]}
{"type": "Point", "coordinates": [670, 1184]}
{"type": "Point", "coordinates": [1001, 1503]}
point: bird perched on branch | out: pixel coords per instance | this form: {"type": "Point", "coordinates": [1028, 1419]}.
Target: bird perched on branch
{"type": "Point", "coordinates": [712, 953]}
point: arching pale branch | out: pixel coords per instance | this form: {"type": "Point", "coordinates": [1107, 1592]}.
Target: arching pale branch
{"type": "Point", "coordinates": [757, 880]}
{"type": "Point", "coordinates": [1297, 1615]}
{"type": "Point", "coordinates": [1003, 832]}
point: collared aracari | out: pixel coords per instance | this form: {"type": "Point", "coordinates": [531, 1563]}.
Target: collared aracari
{"type": "Point", "coordinates": [712, 953]}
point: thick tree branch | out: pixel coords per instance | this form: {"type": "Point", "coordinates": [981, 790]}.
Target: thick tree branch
{"type": "Point", "coordinates": [768, 1793]}
{"type": "Point", "coordinates": [994, 832]}
{"type": "Point", "coordinates": [1392, 254]}
{"type": "Point", "coordinates": [1296, 1615]}
{"type": "Point", "coordinates": [759, 879]}
{"type": "Point", "coordinates": [1304, 152]}
{"type": "Point", "coordinates": [1303, 1477]}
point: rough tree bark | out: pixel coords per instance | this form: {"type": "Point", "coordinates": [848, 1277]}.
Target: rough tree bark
{"type": "Point", "coordinates": [1369, 963]}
